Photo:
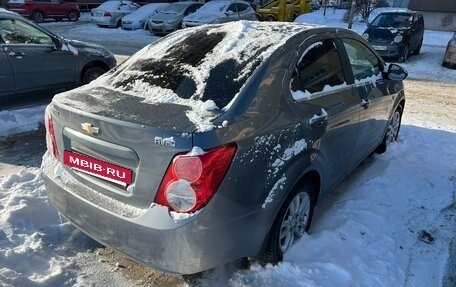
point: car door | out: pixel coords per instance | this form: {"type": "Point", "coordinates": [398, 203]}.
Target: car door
{"type": "Point", "coordinates": [6, 75]}
{"type": "Point", "coordinates": [374, 100]}
{"type": "Point", "coordinates": [326, 106]}
{"type": "Point", "coordinates": [35, 61]}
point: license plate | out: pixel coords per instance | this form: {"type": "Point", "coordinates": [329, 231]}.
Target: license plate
{"type": "Point", "coordinates": [98, 168]}
{"type": "Point", "coordinates": [379, 48]}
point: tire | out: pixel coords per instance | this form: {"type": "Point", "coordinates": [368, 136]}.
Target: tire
{"type": "Point", "coordinates": [38, 16]}
{"type": "Point", "coordinates": [73, 16]}
{"type": "Point", "coordinates": [271, 18]}
{"type": "Point", "coordinates": [392, 131]}
{"type": "Point", "coordinates": [405, 54]}
{"type": "Point", "coordinates": [91, 74]}
{"type": "Point", "coordinates": [418, 49]}
{"type": "Point", "coordinates": [296, 211]}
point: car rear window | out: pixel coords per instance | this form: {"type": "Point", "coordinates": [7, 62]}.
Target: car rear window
{"type": "Point", "coordinates": [206, 64]}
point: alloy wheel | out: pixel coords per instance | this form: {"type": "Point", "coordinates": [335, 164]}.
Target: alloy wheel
{"type": "Point", "coordinates": [393, 127]}
{"type": "Point", "coordinates": [295, 221]}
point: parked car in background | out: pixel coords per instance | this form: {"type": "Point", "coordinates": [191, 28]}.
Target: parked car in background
{"type": "Point", "coordinates": [110, 13]}
{"type": "Point", "coordinates": [220, 11]}
{"type": "Point", "coordinates": [449, 60]}
{"type": "Point", "coordinates": [216, 142]}
{"type": "Point", "coordinates": [170, 18]}
{"type": "Point", "coordinates": [34, 61]}
{"type": "Point", "coordinates": [396, 34]}
{"type": "Point", "coordinates": [39, 10]}
{"type": "Point", "coordinates": [139, 18]}
{"type": "Point", "coordinates": [315, 5]}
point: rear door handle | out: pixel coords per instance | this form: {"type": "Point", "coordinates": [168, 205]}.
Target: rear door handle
{"type": "Point", "coordinates": [318, 119]}
{"type": "Point", "coordinates": [365, 103]}
{"type": "Point", "coordinates": [18, 55]}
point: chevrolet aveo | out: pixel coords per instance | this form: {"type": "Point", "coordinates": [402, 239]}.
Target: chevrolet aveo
{"type": "Point", "coordinates": [215, 143]}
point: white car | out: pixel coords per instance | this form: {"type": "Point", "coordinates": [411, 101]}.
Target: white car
{"type": "Point", "coordinates": [110, 13]}
{"type": "Point", "coordinates": [220, 11]}
{"type": "Point", "coordinates": [138, 19]}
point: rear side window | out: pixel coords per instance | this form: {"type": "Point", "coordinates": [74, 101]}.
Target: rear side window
{"type": "Point", "coordinates": [319, 68]}
{"type": "Point", "coordinates": [363, 62]}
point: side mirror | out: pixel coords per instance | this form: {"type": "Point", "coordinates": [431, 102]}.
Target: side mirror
{"type": "Point", "coordinates": [57, 43]}
{"type": "Point", "coordinates": [396, 72]}
{"type": "Point", "coordinates": [229, 13]}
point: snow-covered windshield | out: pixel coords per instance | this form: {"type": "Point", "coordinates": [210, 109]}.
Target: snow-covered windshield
{"type": "Point", "coordinates": [213, 7]}
{"type": "Point", "coordinates": [393, 20]}
{"type": "Point", "coordinates": [175, 8]}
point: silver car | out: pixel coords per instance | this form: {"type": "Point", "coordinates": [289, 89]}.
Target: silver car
{"type": "Point", "coordinates": [216, 142]}
{"type": "Point", "coordinates": [110, 13]}
{"type": "Point", "coordinates": [139, 18]}
{"type": "Point", "coordinates": [220, 11]}
{"type": "Point", "coordinates": [170, 18]}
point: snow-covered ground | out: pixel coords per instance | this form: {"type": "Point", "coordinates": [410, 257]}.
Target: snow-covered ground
{"type": "Point", "coordinates": [389, 224]}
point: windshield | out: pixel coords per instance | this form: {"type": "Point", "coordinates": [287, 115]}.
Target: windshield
{"type": "Point", "coordinates": [393, 20]}
{"type": "Point", "coordinates": [176, 8]}
{"type": "Point", "coordinates": [213, 7]}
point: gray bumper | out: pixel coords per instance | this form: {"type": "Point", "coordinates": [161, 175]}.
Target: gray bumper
{"type": "Point", "coordinates": [208, 239]}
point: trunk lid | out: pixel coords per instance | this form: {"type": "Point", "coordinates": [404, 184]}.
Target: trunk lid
{"type": "Point", "coordinates": [139, 137]}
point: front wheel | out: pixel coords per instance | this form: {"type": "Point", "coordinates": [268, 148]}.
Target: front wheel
{"type": "Point", "coordinates": [405, 54]}
{"type": "Point", "coordinates": [292, 221]}
{"type": "Point", "coordinates": [91, 74]}
{"type": "Point", "coordinates": [392, 131]}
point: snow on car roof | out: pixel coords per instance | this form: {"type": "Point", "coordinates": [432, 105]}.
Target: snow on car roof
{"type": "Point", "coordinates": [145, 11]}
{"type": "Point", "coordinates": [203, 68]}
{"type": "Point", "coordinates": [113, 4]}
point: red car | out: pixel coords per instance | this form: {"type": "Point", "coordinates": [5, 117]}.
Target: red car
{"type": "Point", "coordinates": [38, 10]}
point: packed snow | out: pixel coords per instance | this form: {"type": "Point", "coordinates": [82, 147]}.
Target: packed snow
{"type": "Point", "coordinates": [388, 224]}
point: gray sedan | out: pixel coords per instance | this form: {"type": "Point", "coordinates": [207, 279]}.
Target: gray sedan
{"type": "Point", "coordinates": [217, 142]}
{"type": "Point", "coordinates": [170, 18]}
{"type": "Point", "coordinates": [33, 59]}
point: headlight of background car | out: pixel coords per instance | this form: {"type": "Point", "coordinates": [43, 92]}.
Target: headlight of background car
{"type": "Point", "coordinates": [366, 36]}
{"type": "Point", "coordinates": [398, 39]}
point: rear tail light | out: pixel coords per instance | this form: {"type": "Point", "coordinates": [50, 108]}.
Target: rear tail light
{"type": "Point", "coordinates": [50, 134]}
{"type": "Point", "coordinates": [192, 179]}
{"type": "Point", "coordinates": [107, 14]}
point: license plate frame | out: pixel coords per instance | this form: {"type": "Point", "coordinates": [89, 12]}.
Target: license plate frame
{"type": "Point", "coordinates": [379, 48]}
{"type": "Point", "coordinates": [98, 168]}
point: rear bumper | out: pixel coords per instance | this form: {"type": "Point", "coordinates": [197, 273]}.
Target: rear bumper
{"type": "Point", "coordinates": [220, 233]}
{"type": "Point", "coordinates": [103, 21]}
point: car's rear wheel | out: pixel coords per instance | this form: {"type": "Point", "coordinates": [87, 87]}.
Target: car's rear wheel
{"type": "Point", "coordinates": [38, 16]}
{"type": "Point", "coordinates": [405, 54]}
{"type": "Point", "coordinates": [392, 131]}
{"type": "Point", "coordinates": [73, 16]}
{"type": "Point", "coordinates": [91, 74]}
{"type": "Point", "coordinates": [292, 221]}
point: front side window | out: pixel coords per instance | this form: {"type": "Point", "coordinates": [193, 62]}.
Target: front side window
{"type": "Point", "coordinates": [363, 62]}
{"type": "Point", "coordinates": [17, 32]}
{"type": "Point", "coordinates": [318, 69]}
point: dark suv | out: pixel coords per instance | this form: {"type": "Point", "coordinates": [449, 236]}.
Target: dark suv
{"type": "Point", "coordinates": [396, 34]}
{"type": "Point", "coordinates": [38, 10]}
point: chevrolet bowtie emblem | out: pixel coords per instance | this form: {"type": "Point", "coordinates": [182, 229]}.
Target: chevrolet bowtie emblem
{"type": "Point", "coordinates": [90, 129]}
